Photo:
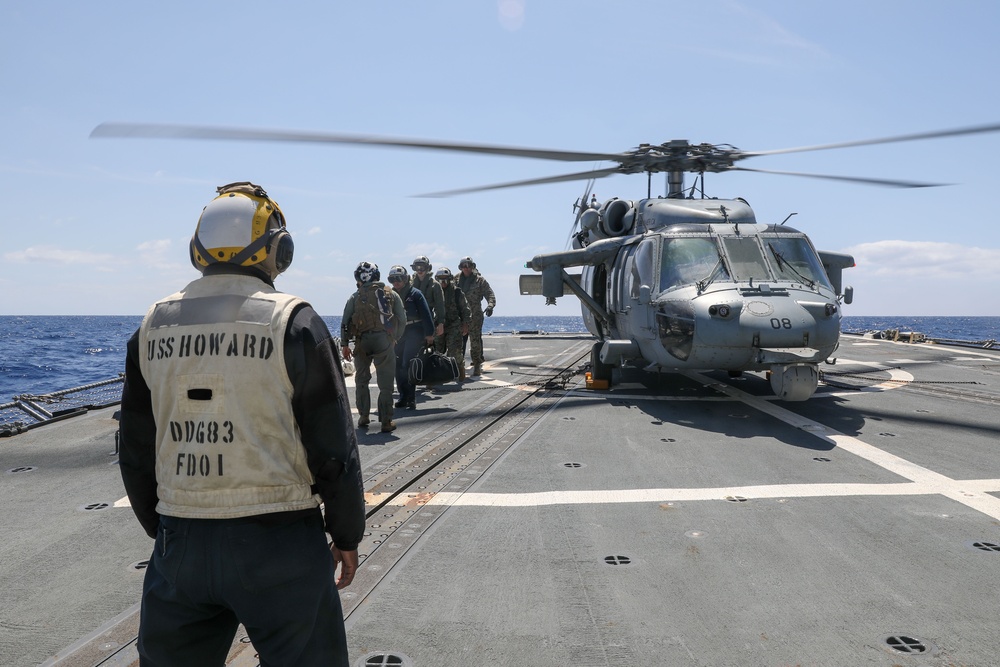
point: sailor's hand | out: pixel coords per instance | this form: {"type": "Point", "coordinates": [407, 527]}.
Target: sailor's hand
{"type": "Point", "coordinates": [440, 330]}
{"type": "Point", "coordinates": [489, 311]}
{"type": "Point", "coordinates": [429, 340]}
{"type": "Point", "coordinates": [465, 329]}
{"type": "Point", "coordinates": [346, 351]}
{"type": "Point", "coordinates": [348, 561]}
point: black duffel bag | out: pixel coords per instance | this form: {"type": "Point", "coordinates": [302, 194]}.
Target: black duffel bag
{"type": "Point", "coordinates": [430, 368]}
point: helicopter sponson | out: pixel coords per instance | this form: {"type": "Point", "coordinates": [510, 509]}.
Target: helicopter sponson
{"type": "Point", "coordinates": [696, 285]}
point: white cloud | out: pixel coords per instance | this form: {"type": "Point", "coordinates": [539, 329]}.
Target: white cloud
{"type": "Point", "coordinates": [511, 14]}
{"type": "Point", "coordinates": [54, 255]}
{"type": "Point", "coordinates": [894, 277]}
{"type": "Point", "coordinates": [926, 259]}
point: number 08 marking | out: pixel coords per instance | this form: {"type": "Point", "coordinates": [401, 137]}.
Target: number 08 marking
{"type": "Point", "coordinates": [783, 323]}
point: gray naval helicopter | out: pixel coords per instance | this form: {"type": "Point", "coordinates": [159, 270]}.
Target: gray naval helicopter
{"type": "Point", "coordinates": [680, 282]}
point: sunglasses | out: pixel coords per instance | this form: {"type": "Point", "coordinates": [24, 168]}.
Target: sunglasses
{"type": "Point", "coordinates": [395, 279]}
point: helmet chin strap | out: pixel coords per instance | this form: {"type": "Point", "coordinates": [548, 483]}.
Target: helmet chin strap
{"type": "Point", "coordinates": [255, 247]}
{"type": "Point", "coordinates": [242, 255]}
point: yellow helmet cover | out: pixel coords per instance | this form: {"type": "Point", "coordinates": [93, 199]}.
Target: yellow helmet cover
{"type": "Point", "coordinates": [239, 227]}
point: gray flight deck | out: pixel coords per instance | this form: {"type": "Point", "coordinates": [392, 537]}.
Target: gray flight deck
{"type": "Point", "coordinates": [526, 520]}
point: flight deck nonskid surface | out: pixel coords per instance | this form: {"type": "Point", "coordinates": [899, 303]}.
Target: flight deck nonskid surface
{"type": "Point", "coordinates": [684, 524]}
{"type": "Point", "coordinates": [689, 520]}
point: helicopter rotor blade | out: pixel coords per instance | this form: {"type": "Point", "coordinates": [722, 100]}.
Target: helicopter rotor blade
{"type": "Point", "coordinates": [979, 129]}
{"type": "Point", "coordinates": [850, 179]}
{"type": "Point", "coordinates": [584, 205]}
{"type": "Point", "coordinates": [169, 131]}
{"type": "Point", "coordinates": [599, 173]}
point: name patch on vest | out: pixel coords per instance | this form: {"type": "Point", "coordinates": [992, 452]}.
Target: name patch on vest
{"type": "Point", "coordinates": [214, 344]}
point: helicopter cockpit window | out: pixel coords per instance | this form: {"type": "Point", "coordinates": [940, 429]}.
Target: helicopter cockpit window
{"type": "Point", "coordinates": [642, 267]}
{"type": "Point", "coordinates": [795, 260]}
{"type": "Point", "coordinates": [689, 260]}
{"type": "Point", "coordinates": [745, 256]}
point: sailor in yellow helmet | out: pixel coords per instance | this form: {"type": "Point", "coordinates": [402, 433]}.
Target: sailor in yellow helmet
{"type": "Point", "coordinates": [235, 426]}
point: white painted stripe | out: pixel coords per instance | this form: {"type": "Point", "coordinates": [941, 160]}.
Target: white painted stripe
{"type": "Point", "coordinates": [968, 493]}
{"type": "Point", "coordinates": [923, 481]}
{"type": "Point", "coordinates": [621, 496]}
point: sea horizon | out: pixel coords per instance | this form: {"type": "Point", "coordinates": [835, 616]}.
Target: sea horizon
{"type": "Point", "coordinates": [46, 353]}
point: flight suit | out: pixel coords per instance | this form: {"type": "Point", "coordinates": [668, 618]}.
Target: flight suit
{"type": "Point", "coordinates": [476, 288]}
{"type": "Point", "coordinates": [374, 345]}
{"type": "Point", "coordinates": [457, 313]}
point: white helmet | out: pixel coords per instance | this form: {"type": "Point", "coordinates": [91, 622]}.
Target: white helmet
{"type": "Point", "coordinates": [242, 226]}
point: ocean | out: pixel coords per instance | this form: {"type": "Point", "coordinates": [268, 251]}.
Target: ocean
{"type": "Point", "coordinates": [46, 353]}
{"type": "Point", "coordinates": [42, 354]}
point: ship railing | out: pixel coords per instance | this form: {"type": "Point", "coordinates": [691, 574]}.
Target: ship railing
{"type": "Point", "coordinates": [29, 411]}
{"type": "Point", "coordinates": [898, 336]}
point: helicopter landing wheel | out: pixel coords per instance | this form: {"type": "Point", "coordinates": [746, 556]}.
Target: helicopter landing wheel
{"type": "Point", "coordinates": [599, 370]}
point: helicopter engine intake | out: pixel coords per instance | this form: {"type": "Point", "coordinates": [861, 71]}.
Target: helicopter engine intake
{"type": "Point", "coordinates": [617, 217]}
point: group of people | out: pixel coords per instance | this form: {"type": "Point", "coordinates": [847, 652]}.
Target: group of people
{"type": "Point", "coordinates": [236, 427]}
{"type": "Point", "coordinates": [392, 324]}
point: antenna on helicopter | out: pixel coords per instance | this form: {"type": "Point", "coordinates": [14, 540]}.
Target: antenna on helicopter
{"type": "Point", "coordinates": [787, 219]}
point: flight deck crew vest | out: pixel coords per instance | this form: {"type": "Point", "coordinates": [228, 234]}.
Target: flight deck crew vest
{"type": "Point", "coordinates": [227, 443]}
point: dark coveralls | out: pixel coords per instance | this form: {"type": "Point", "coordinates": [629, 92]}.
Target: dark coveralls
{"type": "Point", "coordinates": [271, 572]}
{"type": "Point", "coordinates": [419, 325]}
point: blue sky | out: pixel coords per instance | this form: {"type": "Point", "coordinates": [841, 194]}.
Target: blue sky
{"type": "Point", "coordinates": [102, 226]}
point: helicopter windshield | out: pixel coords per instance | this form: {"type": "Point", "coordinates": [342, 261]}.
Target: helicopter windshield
{"type": "Point", "coordinates": [745, 256]}
{"type": "Point", "coordinates": [689, 260]}
{"type": "Point", "coordinates": [794, 259]}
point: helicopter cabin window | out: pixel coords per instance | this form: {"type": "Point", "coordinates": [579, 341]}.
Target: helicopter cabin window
{"type": "Point", "coordinates": [745, 257]}
{"type": "Point", "coordinates": [641, 265]}
{"type": "Point", "coordinates": [793, 259]}
{"type": "Point", "coordinates": [688, 260]}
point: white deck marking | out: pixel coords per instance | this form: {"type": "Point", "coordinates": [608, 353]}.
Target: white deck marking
{"type": "Point", "coordinates": [897, 377]}
{"type": "Point", "coordinates": [618, 496]}
{"type": "Point", "coordinates": [973, 493]}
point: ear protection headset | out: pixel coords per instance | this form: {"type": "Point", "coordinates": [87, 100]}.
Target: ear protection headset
{"type": "Point", "coordinates": [243, 226]}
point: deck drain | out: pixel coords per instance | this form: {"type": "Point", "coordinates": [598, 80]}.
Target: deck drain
{"type": "Point", "coordinates": [906, 645]}
{"type": "Point", "coordinates": [736, 499]}
{"type": "Point", "coordinates": [985, 546]}
{"type": "Point", "coordinates": [821, 459]}
{"type": "Point", "coordinates": [888, 435]}
{"type": "Point", "coordinates": [14, 471]}
{"type": "Point", "coordinates": [139, 565]}
{"type": "Point", "coordinates": [572, 465]}
{"type": "Point", "coordinates": [667, 440]}
{"type": "Point", "coordinates": [569, 419]}
{"type": "Point", "coordinates": [383, 659]}
{"type": "Point", "coordinates": [617, 560]}
{"type": "Point", "coordinates": [93, 507]}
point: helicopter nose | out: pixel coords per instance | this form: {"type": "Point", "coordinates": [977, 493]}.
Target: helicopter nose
{"type": "Point", "coordinates": [675, 327]}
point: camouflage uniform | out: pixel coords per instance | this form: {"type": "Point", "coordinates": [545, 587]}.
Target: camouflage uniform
{"type": "Point", "coordinates": [476, 288]}
{"type": "Point", "coordinates": [432, 292]}
{"type": "Point", "coordinates": [375, 344]}
{"type": "Point", "coordinates": [457, 313]}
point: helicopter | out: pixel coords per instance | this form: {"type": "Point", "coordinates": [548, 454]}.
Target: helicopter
{"type": "Point", "coordinates": [676, 282]}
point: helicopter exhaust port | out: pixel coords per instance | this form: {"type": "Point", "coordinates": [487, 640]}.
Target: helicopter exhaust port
{"type": "Point", "coordinates": [793, 382]}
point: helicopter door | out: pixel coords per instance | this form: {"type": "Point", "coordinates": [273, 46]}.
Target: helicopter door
{"type": "Point", "coordinates": [599, 290]}
{"type": "Point", "coordinates": [619, 283]}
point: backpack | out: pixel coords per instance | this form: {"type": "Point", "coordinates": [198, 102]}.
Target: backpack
{"type": "Point", "coordinates": [372, 309]}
